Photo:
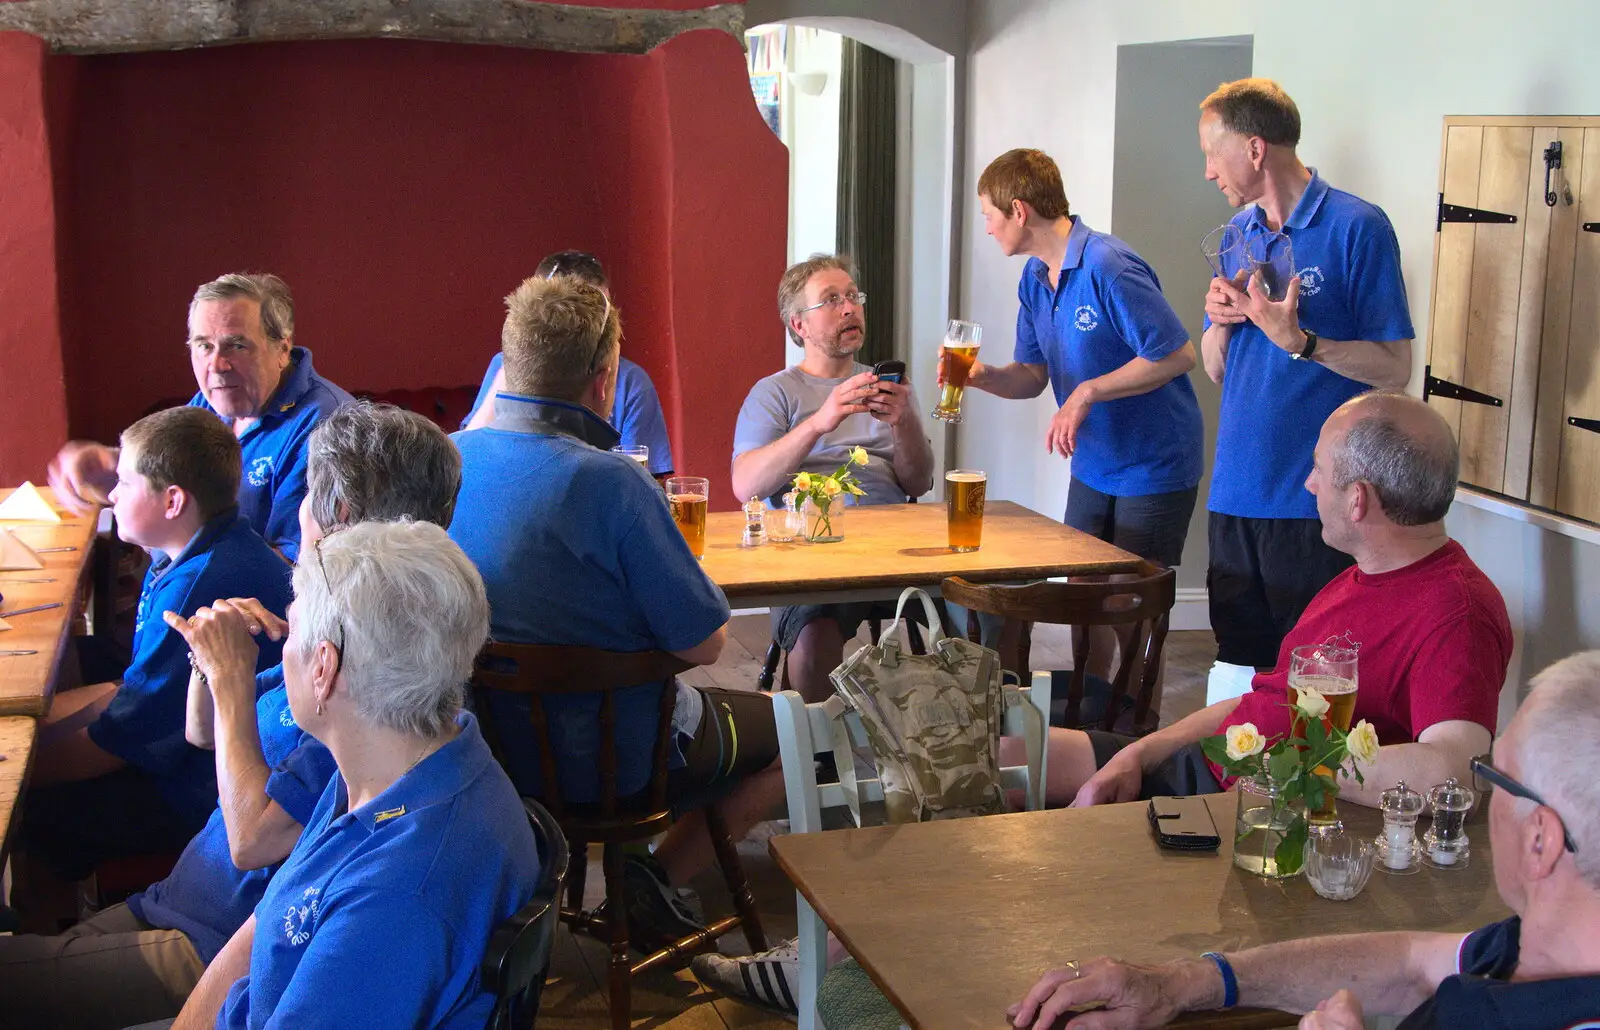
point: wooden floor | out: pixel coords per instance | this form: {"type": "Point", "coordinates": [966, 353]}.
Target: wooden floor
{"type": "Point", "coordinates": [575, 998]}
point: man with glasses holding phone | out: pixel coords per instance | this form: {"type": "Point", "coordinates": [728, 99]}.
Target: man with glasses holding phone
{"type": "Point", "coordinates": [808, 418]}
{"type": "Point", "coordinates": [1539, 969]}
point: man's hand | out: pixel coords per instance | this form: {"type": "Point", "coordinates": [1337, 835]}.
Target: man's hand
{"type": "Point", "coordinates": [1279, 320]}
{"type": "Point", "coordinates": [889, 404]}
{"type": "Point", "coordinates": [1340, 1012]}
{"type": "Point", "coordinates": [848, 398]}
{"type": "Point", "coordinates": [1117, 781]}
{"type": "Point", "coordinates": [82, 475]}
{"type": "Point", "coordinates": [1062, 437]}
{"type": "Point", "coordinates": [1219, 305]}
{"type": "Point", "coordinates": [1131, 996]}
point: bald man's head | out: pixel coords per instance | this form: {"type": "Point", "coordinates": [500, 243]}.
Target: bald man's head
{"type": "Point", "coordinates": [1403, 448]}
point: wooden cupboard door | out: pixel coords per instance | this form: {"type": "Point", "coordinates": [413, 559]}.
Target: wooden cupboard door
{"type": "Point", "coordinates": [1578, 486]}
{"type": "Point", "coordinates": [1452, 266]}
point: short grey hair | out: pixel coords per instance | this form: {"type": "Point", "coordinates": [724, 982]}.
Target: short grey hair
{"type": "Point", "coordinates": [792, 287]}
{"type": "Point", "coordinates": [411, 610]}
{"type": "Point", "coordinates": [378, 462]}
{"type": "Point", "coordinates": [1413, 474]}
{"type": "Point", "coordinates": [1558, 751]}
{"type": "Point", "coordinates": [267, 290]}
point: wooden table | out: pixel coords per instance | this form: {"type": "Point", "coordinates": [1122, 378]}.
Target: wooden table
{"type": "Point", "coordinates": [888, 547]}
{"type": "Point", "coordinates": [17, 734]}
{"type": "Point", "coordinates": [26, 681]}
{"type": "Point", "coordinates": [955, 920]}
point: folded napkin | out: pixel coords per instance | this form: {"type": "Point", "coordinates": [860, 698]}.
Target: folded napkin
{"type": "Point", "coordinates": [27, 504]}
{"type": "Point", "coordinates": [14, 554]}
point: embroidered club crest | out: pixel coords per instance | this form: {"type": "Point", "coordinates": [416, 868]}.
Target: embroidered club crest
{"type": "Point", "coordinates": [1085, 319]}
{"type": "Point", "coordinates": [1311, 280]}
{"type": "Point", "coordinates": [260, 471]}
{"type": "Point", "coordinates": [299, 919]}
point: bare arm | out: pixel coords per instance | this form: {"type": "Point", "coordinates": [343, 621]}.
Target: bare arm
{"type": "Point", "coordinates": [764, 471]}
{"type": "Point", "coordinates": [260, 832]}
{"type": "Point", "coordinates": [1134, 377]}
{"type": "Point", "coordinates": [1381, 364]}
{"type": "Point", "coordinates": [1015, 381]}
{"type": "Point", "coordinates": [913, 456]}
{"type": "Point", "coordinates": [65, 753]}
{"type": "Point", "coordinates": [232, 962]}
{"type": "Point", "coordinates": [708, 650]}
{"type": "Point", "coordinates": [485, 413]}
{"type": "Point", "coordinates": [1443, 750]}
{"type": "Point", "coordinates": [1119, 779]}
{"type": "Point", "coordinates": [1214, 350]}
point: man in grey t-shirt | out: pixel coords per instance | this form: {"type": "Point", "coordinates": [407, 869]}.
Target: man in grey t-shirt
{"type": "Point", "coordinates": [806, 419]}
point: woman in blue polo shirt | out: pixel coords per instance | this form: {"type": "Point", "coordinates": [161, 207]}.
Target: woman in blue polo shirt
{"type": "Point", "coordinates": [1095, 327]}
{"type": "Point", "coordinates": [420, 846]}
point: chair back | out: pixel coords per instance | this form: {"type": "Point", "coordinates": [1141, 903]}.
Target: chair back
{"type": "Point", "coordinates": [518, 959]}
{"type": "Point", "coordinates": [1144, 602]}
{"type": "Point", "coordinates": [540, 669]}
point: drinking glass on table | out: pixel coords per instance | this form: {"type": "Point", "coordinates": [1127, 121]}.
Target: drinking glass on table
{"type": "Point", "coordinates": [1330, 669]}
{"type": "Point", "coordinates": [639, 453]}
{"type": "Point", "coordinates": [964, 494]}
{"type": "Point", "coordinates": [956, 357]}
{"type": "Point", "coordinates": [688, 495]}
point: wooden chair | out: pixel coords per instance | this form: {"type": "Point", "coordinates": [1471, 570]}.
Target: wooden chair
{"type": "Point", "coordinates": [537, 670]}
{"type": "Point", "coordinates": [806, 731]}
{"type": "Point", "coordinates": [1145, 603]}
{"type": "Point", "coordinates": [518, 958]}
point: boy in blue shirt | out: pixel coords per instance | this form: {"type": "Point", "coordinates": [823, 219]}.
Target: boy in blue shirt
{"type": "Point", "coordinates": [112, 773]}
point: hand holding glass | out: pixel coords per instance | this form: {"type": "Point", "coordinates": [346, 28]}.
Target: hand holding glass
{"type": "Point", "coordinates": [956, 358]}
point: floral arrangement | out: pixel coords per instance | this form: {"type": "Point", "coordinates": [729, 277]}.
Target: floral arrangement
{"type": "Point", "coordinates": [822, 490]}
{"type": "Point", "coordinates": [1302, 765]}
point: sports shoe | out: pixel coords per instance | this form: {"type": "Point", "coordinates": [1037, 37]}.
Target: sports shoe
{"type": "Point", "coordinates": [769, 980]}
{"type": "Point", "coordinates": [657, 912]}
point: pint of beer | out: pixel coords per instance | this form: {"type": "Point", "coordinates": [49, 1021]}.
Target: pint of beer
{"type": "Point", "coordinates": [640, 453]}
{"type": "Point", "coordinates": [1331, 671]}
{"type": "Point", "coordinates": [964, 490]}
{"type": "Point", "coordinates": [956, 357]}
{"type": "Point", "coordinates": [688, 495]}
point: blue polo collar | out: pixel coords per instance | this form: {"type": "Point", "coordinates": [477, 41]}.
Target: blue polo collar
{"type": "Point", "coordinates": [436, 779]}
{"type": "Point", "coordinates": [1305, 209]}
{"type": "Point", "coordinates": [198, 544]}
{"type": "Point", "coordinates": [1077, 240]}
{"type": "Point", "coordinates": [547, 416]}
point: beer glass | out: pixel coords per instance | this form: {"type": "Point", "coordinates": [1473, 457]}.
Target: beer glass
{"type": "Point", "coordinates": [963, 491]}
{"type": "Point", "coordinates": [1219, 244]}
{"type": "Point", "coordinates": [640, 453]}
{"type": "Point", "coordinates": [956, 356]}
{"type": "Point", "coordinates": [1329, 669]}
{"type": "Point", "coordinates": [688, 495]}
{"type": "Point", "coordinates": [1272, 256]}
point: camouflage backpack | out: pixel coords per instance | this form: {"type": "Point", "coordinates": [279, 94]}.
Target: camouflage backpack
{"type": "Point", "coordinates": [933, 721]}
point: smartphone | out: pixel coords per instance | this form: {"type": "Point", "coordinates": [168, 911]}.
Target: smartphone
{"type": "Point", "coordinates": [1184, 824]}
{"type": "Point", "coordinates": [893, 371]}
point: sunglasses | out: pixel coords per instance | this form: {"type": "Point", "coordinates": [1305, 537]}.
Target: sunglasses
{"type": "Point", "coordinates": [1483, 770]}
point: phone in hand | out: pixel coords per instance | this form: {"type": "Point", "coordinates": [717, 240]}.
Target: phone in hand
{"type": "Point", "coordinates": [890, 371]}
{"type": "Point", "coordinates": [1184, 824]}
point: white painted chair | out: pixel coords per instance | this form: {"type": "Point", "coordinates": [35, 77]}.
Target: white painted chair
{"type": "Point", "coordinates": [806, 731]}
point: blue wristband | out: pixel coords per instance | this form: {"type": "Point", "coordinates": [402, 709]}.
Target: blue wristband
{"type": "Point", "coordinates": [1230, 982]}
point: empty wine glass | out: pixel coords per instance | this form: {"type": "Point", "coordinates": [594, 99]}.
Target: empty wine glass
{"type": "Point", "coordinates": [1271, 255]}
{"type": "Point", "coordinates": [1218, 244]}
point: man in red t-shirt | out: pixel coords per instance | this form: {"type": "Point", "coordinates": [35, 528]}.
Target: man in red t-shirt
{"type": "Point", "coordinates": [1435, 640]}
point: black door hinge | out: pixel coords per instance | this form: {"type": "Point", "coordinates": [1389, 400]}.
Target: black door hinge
{"type": "Point", "coordinates": [1457, 213]}
{"type": "Point", "coordinates": [1435, 387]}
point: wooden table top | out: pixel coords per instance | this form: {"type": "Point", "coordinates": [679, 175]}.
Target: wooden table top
{"type": "Point", "coordinates": [955, 920]}
{"type": "Point", "coordinates": [17, 734]}
{"type": "Point", "coordinates": [26, 681]}
{"type": "Point", "coordinates": [887, 547]}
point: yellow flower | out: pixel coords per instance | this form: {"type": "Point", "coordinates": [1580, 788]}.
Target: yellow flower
{"type": "Point", "coordinates": [855, 490]}
{"type": "Point", "coordinates": [858, 455]}
{"type": "Point", "coordinates": [1363, 742]}
{"type": "Point", "coordinates": [1244, 740]}
{"type": "Point", "coordinates": [1310, 703]}
{"type": "Point", "coordinates": [802, 481]}
{"type": "Point", "coordinates": [831, 487]}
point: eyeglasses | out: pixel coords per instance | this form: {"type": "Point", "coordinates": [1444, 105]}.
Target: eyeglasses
{"type": "Point", "coordinates": [1481, 768]}
{"type": "Point", "coordinates": [328, 584]}
{"type": "Point", "coordinates": [838, 300]}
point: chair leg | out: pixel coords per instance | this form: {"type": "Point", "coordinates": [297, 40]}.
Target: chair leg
{"type": "Point", "coordinates": [744, 902]}
{"type": "Point", "coordinates": [620, 973]}
{"type": "Point", "coordinates": [577, 874]}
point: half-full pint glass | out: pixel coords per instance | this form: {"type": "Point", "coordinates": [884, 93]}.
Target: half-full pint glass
{"type": "Point", "coordinates": [964, 490]}
{"type": "Point", "coordinates": [1330, 670]}
{"type": "Point", "coordinates": [687, 495]}
{"type": "Point", "coordinates": [956, 357]}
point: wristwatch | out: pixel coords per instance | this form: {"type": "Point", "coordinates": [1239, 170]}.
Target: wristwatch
{"type": "Point", "coordinates": [1309, 349]}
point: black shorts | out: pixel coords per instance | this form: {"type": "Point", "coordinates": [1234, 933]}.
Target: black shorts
{"type": "Point", "coordinates": [75, 826]}
{"type": "Point", "coordinates": [1263, 574]}
{"type": "Point", "coordinates": [1184, 775]}
{"type": "Point", "coordinates": [1153, 526]}
{"type": "Point", "coordinates": [788, 621]}
{"type": "Point", "coordinates": [737, 736]}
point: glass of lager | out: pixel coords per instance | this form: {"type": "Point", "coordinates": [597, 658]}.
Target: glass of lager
{"type": "Point", "coordinates": [956, 356]}
{"type": "Point", "coordinates": [1329, 669]}
{"type": "Point", "coordinates": [641, 454]}
{"type": "Point", "coordinates": [688, 495]}
{"type": "Point", "coordinates": [963, 491]}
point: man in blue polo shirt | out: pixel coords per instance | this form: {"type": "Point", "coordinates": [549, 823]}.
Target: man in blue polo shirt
{"type": "Point", "coordinates": [1538, 970]}
{"type": "Point", "coordinates": [1342, 327]}
{"type": "Point", "coordinates": [241, 346]}
{"type": "Point", "coordinates": [1095, 327]}
{"type": "Point", "coordinates": [576, 546]}
{"type": "Point", "coordinates": [635, 410]}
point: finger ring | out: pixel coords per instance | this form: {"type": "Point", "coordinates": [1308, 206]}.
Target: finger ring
{"type": "Point", "coordinates": [1076, 972]}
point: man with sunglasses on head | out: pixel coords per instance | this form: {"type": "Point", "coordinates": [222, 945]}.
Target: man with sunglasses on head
{"type": "Point", "coordinates": [1538, 970]}
{"type": "Point", "coordinates": [809, 418]}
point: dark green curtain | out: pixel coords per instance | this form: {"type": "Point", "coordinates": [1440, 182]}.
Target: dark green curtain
{"type": "Point", "coordinates": [866, 186]}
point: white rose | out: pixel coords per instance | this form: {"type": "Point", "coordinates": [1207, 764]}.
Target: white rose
{"type": "Point", "coordinates": [1310, 703]}
{"type": "Point", "coordinates": [1363, 742]}
{"type": "Point", "coordinates": [1244, 740]}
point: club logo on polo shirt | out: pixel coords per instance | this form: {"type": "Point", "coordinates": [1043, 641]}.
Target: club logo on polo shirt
{"type": "Point", "coordinates": [1085, 319]}
{"type": "Point", "coordinates": [260, 473]}
{"type": "Point", "coordinates": [286, 717]}
{"type": "Point", "coordinates": [1311, 280]}
{"type": "Point", "coordinates": [297, 922]}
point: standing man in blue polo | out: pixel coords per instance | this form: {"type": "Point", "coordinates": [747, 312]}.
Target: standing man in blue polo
{"type": "Point", "coordinates": [250, 373]}
{"type": "Point", "coordinates": [1342, 328]}
{"type": "Point", "coordinates": [1095, 328]}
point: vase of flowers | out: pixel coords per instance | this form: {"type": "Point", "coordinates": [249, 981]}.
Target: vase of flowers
{"type": "Point", "coordinates": [824, 498]}
{"type": "Point", "coordinates": [1279, 781]}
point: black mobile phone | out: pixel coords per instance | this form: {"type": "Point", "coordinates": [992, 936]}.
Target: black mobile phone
{"type": "Point", "coordinates": [1184, 824]}
{"type": "Point", "coordinates": [893, 371]}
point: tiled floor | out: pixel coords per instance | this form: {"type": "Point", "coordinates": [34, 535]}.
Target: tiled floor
{"type": "Point", "coordinates": [575, 998]}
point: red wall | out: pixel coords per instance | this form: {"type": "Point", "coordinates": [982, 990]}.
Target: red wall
{"type": "Point", "coordinates": [402, 189]}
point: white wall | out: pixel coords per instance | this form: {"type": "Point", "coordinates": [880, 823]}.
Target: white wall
{"type": "Point", "coordinates": [812, 133]}
{"type": "Point", "coordinates": [1372, 78]}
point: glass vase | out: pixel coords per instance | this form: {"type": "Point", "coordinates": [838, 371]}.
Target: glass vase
{"type": "Point", "coordinates": [825, 521]}
{"type": "Point", "coordinates": [1270, 835]}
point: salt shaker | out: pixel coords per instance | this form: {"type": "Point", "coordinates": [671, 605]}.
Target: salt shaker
{"type": "Point", "coordinates": [755, 523]}
{"type": "Point", "coordinates": [1398, 849]}
{"type": "Point", "coordinates": [1445, 843]}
